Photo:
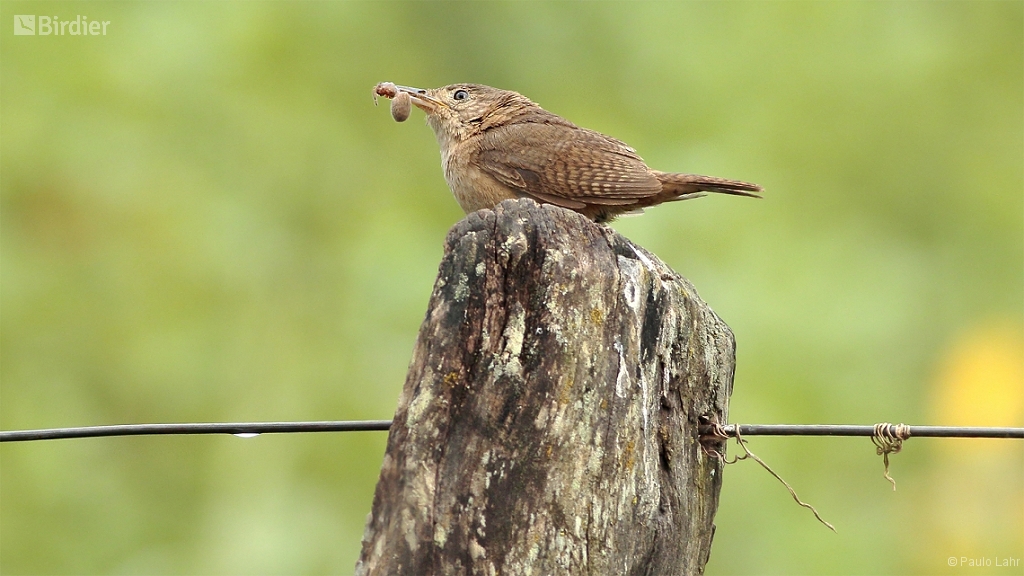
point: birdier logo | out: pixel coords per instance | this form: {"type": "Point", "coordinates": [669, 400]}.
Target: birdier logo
{"type": "Point", "coordinates": [32, 25]}
{"type": "Point", "coordinates": [24, 25]}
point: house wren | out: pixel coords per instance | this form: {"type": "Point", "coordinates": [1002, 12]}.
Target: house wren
{"type": "Point", "coordinates": [497, 144]}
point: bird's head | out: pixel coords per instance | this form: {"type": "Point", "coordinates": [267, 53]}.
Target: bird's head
{"type": "Point", "coordinates": [459, 111]}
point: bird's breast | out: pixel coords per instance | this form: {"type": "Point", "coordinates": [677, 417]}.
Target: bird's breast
{"type": "Point", "coordinates": [472, 187]}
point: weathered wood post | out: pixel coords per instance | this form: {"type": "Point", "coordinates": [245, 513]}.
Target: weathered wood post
{"type": "Point", "coordinates": [548, 424]}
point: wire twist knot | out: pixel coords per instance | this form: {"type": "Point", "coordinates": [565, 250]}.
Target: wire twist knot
{"type": "Point", "coordinates": [888, 439]}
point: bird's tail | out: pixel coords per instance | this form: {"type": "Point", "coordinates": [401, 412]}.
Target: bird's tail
{"type": "Point", "coordinates": [683, 186]}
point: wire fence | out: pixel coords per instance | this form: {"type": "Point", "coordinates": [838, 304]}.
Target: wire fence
{"type": "Point", "coordinates": [887, 438]}
{"type": "Point", "coordinates": [245, 429]}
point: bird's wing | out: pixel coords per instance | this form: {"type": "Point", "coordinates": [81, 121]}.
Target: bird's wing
{"type": "Point", "coordinates": [565, 165]}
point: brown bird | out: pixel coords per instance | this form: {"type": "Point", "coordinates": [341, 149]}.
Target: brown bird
{"type": "Point", "coordinates": [497, 144]}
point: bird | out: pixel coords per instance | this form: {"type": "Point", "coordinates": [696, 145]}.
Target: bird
{"type": "Point", "coordinates": [498, 144]}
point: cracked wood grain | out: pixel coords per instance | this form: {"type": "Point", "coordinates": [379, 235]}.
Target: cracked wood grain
{"type": "Point", "coordinates": [548, 423]}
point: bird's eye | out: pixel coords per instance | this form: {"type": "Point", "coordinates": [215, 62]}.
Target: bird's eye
{"type": "Point", "coordinates": [460, 95]}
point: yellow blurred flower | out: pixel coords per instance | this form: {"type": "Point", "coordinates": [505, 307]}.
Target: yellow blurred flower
{"type": "Point", "coordinates": [973, 503]}
{"type": "Point", "coordinates": [981, 380]}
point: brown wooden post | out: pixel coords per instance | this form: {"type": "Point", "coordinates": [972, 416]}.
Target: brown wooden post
{"type": "Point", "coordinates": [548, 424]}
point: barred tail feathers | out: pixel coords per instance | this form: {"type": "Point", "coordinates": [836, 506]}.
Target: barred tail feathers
{"type": "Point", "coordinates": [682, 186]}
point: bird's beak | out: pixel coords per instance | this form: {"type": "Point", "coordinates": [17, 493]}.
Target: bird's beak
{"type": "Point", "coordinates": [422, 99]}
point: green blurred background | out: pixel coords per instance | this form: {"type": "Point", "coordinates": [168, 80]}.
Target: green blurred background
{"type": "Point", "coordinates": [204, 218]}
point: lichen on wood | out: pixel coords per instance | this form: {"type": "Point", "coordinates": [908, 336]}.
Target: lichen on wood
{"type": "Point", "coordinates": [548, 423]}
